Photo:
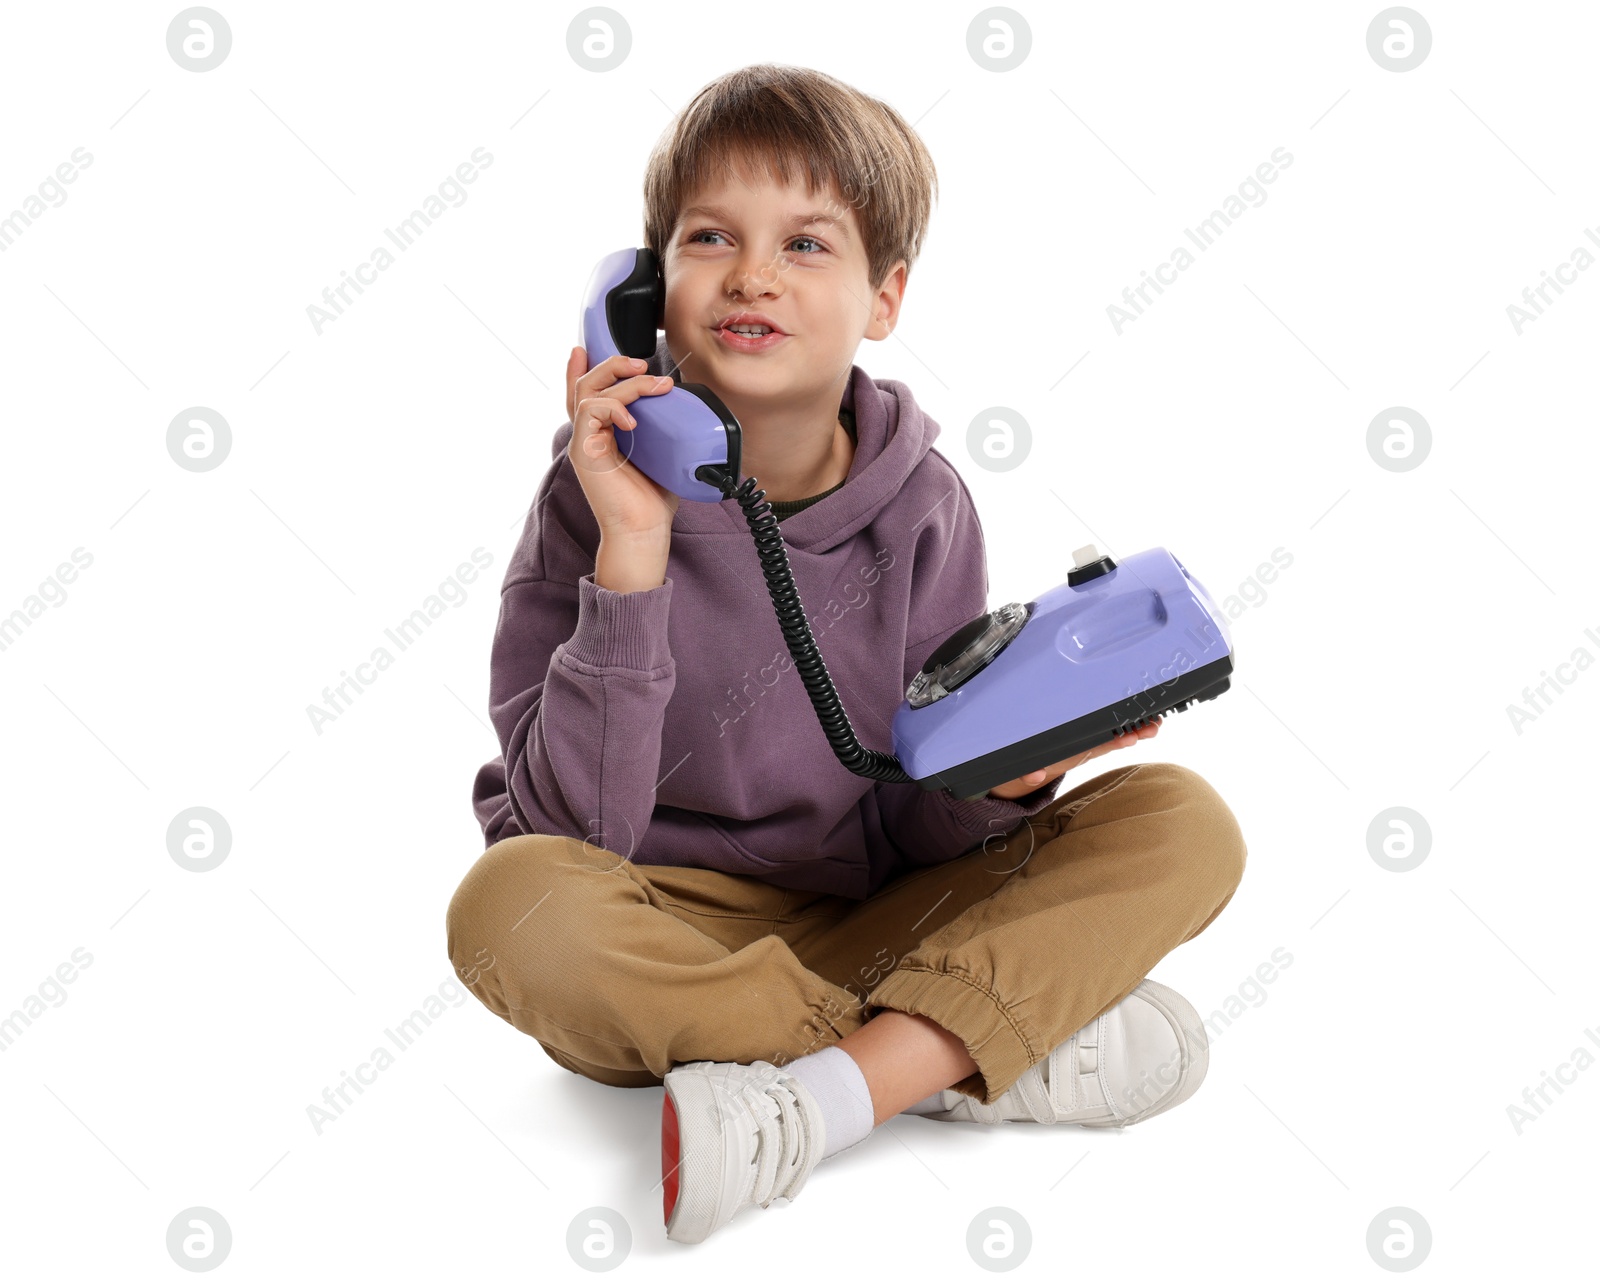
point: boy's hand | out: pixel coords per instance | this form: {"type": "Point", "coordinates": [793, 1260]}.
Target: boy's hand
{"type": "Point", "coordinates": [1033, 781]}
{"type": "Point", "coordinates": [628, 505]}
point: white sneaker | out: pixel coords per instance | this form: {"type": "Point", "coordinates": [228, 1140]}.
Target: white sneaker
{"type": "Point", "coordinates": [731, 1136]}
{"type": "Point", "coordinates": [1139, 1058]}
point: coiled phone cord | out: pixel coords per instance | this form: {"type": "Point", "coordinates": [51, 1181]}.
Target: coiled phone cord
{"type": "Point", "coordinates": [797, 634]}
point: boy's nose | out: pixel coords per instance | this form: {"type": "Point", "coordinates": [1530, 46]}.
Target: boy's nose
{"type": "Point", "coordinates": [754, 275]}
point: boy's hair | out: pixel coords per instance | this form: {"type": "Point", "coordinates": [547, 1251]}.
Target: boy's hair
{"type": "Point", "coordinates": [780, 118]}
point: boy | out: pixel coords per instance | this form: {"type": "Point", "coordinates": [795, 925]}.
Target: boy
{"type": "Point", "coordinates": [681, 883]}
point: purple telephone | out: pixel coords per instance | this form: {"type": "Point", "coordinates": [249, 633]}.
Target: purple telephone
{"type": "Point", "coordinates": [1015, 689]}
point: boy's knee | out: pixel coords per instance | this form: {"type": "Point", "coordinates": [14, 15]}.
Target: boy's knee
{"type": "Point", "coordinates": [497, 894]}
{"type": "Point", "coordinates": [1206, 818]}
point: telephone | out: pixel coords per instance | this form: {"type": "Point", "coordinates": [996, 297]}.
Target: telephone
{"type": "Point", "coordinates": [1017, 688]}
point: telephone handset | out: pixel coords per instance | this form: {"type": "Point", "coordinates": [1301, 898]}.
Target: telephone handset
{"type": "Point", "coordinates": [682, 430]}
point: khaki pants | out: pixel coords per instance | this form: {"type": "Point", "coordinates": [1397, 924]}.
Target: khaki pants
{"type": "Point", "coordinates": [622, 971]}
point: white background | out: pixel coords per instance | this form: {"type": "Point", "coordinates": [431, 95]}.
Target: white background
{"type": "Point", "coordinates": [1228, 421]}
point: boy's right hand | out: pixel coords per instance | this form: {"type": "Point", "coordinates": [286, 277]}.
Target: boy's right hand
{"type": "Point", "coordinates": [627, 504]}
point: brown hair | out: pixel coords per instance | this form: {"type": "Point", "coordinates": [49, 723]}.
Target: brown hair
{"type": "Point", "coordinates": [780, 118]}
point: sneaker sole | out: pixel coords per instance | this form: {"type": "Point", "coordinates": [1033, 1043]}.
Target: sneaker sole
{"type": "Point", "coordinates": [1196, 1057]}
{"type": "Point", "coordinates": [670, 1158]}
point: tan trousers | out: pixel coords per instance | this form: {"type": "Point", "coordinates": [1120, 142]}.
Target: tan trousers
{"type": "Point", "coordinates": [622, 971]}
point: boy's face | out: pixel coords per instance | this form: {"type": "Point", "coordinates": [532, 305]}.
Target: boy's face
{"type": "Point", "coordinates": [748, 245]}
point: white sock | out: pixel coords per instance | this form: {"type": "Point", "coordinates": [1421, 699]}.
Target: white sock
{"type": "Point", "coordinates": [933, 1102]}
{"type": "Point", "coordinates": [840, 1089]}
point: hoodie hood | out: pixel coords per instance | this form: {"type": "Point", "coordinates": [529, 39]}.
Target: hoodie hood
{"type": "Point", "coordinates": [892, 436]}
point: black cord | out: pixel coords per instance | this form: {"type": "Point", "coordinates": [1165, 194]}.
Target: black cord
{"type": "Point", "coordinates": [797, 634]}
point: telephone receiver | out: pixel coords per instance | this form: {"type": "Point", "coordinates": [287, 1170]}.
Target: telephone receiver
{"type": "Point", "coordinates": [1116, 646]}
{"type": "Point", "coordinates": [682, 430]}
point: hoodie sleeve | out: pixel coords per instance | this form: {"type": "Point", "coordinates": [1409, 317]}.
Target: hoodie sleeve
{"type": "Point", "coordinates": [579, 680]}
{"type": "Point", "coordinates": [950, 585]}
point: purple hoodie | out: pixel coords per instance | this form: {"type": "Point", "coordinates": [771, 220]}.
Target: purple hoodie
{"type": "Point", "coordinates": [670, 725]}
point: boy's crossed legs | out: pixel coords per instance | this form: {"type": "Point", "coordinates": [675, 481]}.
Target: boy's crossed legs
{"type": "Point", "coordinates": [960, 976]}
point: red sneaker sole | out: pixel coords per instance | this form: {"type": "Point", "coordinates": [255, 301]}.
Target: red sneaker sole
{"type": "Point", "coordinates": [669, 1157]}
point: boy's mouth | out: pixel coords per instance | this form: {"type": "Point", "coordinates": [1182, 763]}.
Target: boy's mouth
{"type": "Point", "coordinates": [750, 320]}
{"type": "Point", "coordinates": [749, 336]}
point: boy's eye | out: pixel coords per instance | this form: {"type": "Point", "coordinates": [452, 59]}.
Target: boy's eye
{"type": "Point", "coordinates": [694, 238]}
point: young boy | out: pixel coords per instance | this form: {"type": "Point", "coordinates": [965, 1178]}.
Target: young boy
{"type": "Point", "coordinates": [682, 884]}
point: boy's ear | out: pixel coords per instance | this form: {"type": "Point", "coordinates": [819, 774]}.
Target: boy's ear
{"type": "Point", "coordinates": [886, 302]}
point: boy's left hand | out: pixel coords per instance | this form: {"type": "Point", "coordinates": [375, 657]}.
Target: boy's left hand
{"type": "Point", "coordinates": [1033, 781]}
